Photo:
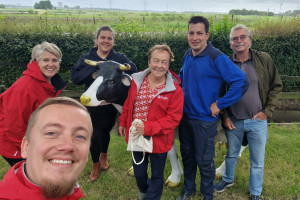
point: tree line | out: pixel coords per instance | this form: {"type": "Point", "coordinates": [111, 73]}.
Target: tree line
{"type": "Point", "coordinates": [262, 13]}
{"type": "Point", "coordinates": [43, 5]}
{"type": "Point", "coordinates": [250, 12]}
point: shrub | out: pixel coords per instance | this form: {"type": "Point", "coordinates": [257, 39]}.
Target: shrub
{"type": "Point", "coordinates": [134, 41]}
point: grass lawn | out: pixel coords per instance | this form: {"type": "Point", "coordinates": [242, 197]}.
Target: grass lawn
{"type": "Point", "coordinates": [281, 177]}
{"type": "Point", "coordinates": [16, 19]}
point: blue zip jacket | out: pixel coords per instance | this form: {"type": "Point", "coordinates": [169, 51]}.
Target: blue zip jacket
{"type": "Point", "coordinates": [202, 76]}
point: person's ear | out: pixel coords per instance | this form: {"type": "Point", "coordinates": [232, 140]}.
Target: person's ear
{"type": "Point", "coordinates": [207, 35]}
{"type": "Point", "coordinates": [24, 147]}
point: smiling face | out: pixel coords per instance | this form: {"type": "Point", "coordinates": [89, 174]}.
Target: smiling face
{"type": "Point", "coordinates": [240, 41]}
{"type": "Point", "coordinates": [49, 65]}
{"type": "Point", "coordinates": [159, 64]}
{"type": "Point", "coordinates": [58, 147]}
{"type": "Point", "coordinates": [197, 37]}
{"type": "Point", "coordinates": [105, 42]}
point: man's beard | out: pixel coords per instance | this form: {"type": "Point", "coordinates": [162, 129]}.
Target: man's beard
{"type": "Point", "coordinates": [59, 189]}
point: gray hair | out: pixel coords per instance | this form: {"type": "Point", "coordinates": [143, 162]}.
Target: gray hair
{"type": "Point", "coordinates": [39, 49]}
{"type": "Point", "coordinates": [238, 27]}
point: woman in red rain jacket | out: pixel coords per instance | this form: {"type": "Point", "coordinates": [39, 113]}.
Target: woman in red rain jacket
{"type": "Point", "coordinates": [156, 99]}
{"type": "Point", "coordinates": [39, 82]}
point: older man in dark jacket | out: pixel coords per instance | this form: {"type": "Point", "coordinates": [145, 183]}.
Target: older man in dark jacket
{"type": "Point", "coordinates": [249, 115]}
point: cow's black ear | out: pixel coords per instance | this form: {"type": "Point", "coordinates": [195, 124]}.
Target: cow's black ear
{"type": "Point", "coordinates": [126, 79]}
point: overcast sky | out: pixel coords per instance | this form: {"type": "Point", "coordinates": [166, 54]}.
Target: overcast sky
{"type": "Point", "coordinates": [276, 6]}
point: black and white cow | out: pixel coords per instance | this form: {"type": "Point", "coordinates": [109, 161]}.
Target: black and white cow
{"type": "Point", "coordinates": [111, 85]}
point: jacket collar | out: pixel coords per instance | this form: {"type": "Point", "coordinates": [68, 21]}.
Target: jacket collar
{"type": "Point", "coordinates": [171, 76]}
{"type": "Point", "coordinates": [203, 53]}
{"type": "Point", "coordinates": [33, 70]}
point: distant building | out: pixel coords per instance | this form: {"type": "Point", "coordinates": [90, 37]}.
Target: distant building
{"type": "Point", "coordinates": [60, 5]}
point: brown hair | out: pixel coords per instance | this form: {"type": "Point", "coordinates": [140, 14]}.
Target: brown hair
{"type": "Point", "coordinates": [104, 28]}
{"type": "Point", "coordinates": [162, 47]}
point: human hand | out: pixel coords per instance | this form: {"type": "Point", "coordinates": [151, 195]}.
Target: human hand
{"type": "Point", "coordinates": [122, 131]}
{"type": "Point", "coordinates": [140, 128]}
{"type": "Point", "coordinates": [228, 124]}
{"type": "Point", "coordinates": [94, 74]}
{"type": "Point", "coordinates": [214, 109]}
{"type": "Point", "coordinates": [260, 115]}
{"type": "Point", "coordinates": [127, 66]}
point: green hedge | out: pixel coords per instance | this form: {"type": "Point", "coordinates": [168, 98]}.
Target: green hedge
{"type": "Point", "coordinates": [16, 47]}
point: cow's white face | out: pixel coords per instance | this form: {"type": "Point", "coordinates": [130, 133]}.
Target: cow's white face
{"type": "Point", "coordinates": [110, 86]}
{"type": "Point", "coordinates": [88, 98]}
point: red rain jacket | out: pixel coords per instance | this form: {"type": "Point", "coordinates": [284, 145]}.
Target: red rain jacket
{"type": "Point", "coordinates": [16, 186]}
{"type": "Point", "coordinates": [18, 102]}
{"type": "Point", "coordinates": [164, 114]}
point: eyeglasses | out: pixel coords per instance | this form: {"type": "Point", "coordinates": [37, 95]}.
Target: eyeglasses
{"type": "Point", "coordinates": [242, 38]}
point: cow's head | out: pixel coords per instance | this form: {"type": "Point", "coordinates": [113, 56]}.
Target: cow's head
{"type": "Point", "coordinates": [111, 84]}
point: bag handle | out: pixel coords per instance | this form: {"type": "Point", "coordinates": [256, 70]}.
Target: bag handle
{"type": "Point", "coordinates": [135, 135]}
{"type": "Point", "coordinates": [134, 158]}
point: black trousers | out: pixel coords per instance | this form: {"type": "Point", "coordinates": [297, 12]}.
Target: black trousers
{"type": "Point", "coordinates": [100, 142]}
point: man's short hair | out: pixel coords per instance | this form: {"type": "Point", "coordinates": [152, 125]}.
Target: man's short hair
{"type": "Point", "coordinates": [200, 19]}
{"type": "Point", "coordinates": [238, 27]}
{"type": "Point", "coordinates": [48, 102]}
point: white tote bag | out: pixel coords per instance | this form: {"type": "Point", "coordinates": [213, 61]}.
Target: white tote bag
{"type": "Point", "coordinates": [137, 142]}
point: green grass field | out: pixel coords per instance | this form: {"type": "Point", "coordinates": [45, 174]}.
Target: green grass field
{"type": "Point", "coordinates": [281, 177]}
{"type": "Point", "coordinates": [126, 21]}
{"type": "Point", "coordinates": [282, 164]}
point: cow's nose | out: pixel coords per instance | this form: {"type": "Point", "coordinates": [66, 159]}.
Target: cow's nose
{"type": "Point", "coordinates": [85, 100]}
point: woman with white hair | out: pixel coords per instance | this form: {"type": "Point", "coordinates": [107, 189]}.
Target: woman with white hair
{"type": "Point", "coordinates": [39, 81]}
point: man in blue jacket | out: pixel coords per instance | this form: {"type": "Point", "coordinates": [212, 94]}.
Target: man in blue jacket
{"type": "Point", "coordinates": [203, 71]}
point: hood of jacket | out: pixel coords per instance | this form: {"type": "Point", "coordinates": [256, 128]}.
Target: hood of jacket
{"type": "Point", "coordinates": [171, 78]}
{"type": "Point", "coordinates": [33, 70]}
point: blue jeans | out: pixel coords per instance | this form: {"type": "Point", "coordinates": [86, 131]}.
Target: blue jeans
{"type": "Point", "coordinates": [152, 187]}
{"type": "Point", "coordinates": [197, 146]}
{"type": "Point", "coordinates": [257, 135]}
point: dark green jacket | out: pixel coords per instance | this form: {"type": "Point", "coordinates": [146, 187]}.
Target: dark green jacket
{"type": "Point", "coordinates": [270, 85]}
